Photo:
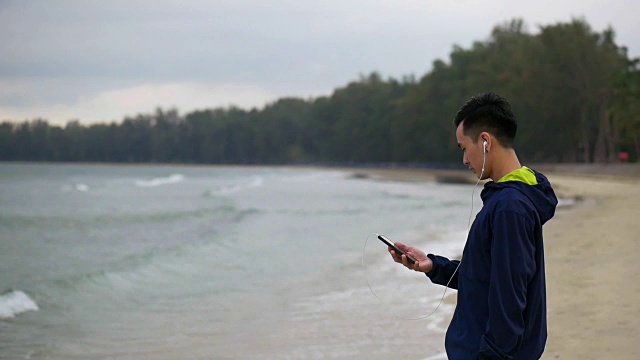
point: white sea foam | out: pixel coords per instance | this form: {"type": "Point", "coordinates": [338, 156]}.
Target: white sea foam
{"type": "Point", "coordinates": [76, 187]}
{"type": "Point", "coordinates": [15, 302]}
{"type": "Point", "coordinates": [440, 356]}
{"type": "Point", "coordinates": [566, 202]}
{"type": "Point", "coordinates": [255, 182]}
{"type": "Point", "coordinates": [172, 179]}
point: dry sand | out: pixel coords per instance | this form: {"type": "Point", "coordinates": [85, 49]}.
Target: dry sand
{"type": "Point", "coordinates": [593, 277]}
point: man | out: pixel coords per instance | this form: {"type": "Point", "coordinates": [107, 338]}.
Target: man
{"type": "Point", "coordinates": [501, 308]}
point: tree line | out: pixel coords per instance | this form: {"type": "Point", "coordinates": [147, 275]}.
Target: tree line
{"type": "Point", "coordinates": [575, 93]}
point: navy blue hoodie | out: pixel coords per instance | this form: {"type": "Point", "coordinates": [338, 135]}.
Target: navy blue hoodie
{"type": "Point", "coordinates": [501, 310]}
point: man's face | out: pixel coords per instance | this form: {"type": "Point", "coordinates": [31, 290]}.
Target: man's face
{"type": "Point", "coordinates": [472, 153]}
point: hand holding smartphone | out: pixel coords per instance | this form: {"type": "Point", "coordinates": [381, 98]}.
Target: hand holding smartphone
{"type": "Point", "coordinates": [395, 248]}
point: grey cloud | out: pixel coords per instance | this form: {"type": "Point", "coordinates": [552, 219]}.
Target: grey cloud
{"type": "Point", "coordinates": [198, 41]}
{"type": "Point", "coordinates": [63, 50]}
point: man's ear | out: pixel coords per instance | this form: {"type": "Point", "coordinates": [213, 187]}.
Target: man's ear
{"type": "Point", "coordinates": [485, 138]}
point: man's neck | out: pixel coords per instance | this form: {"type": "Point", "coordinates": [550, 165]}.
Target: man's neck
{"type": "Point", "coordinates": [505, 162]}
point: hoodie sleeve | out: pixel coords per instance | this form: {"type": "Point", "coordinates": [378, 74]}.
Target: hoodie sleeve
{"type": "Point", "coordinates": [442, 271]}
{"type": "Point", "coordinates": [512, 267]}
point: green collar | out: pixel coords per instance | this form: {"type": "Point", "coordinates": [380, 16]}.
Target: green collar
{"type": "Point", "coordinates": [524, 174]}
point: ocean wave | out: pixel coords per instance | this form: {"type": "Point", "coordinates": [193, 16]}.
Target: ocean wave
{"type": "Point", "coordinates": [255, 182]}
{"type": "Point", "coordinates": [319, 177]}
{"type": "Point", "coordinates": [14, 302]}
{"type": "Point", "coordinates": [82, 187]}
{"type": "Point", "coordinates": [172, 179]}
{"type": "Point", "coordinates": [222, 212]}
{"type": "Point", "coordinates": [567, 202]}
{"type": "Point", "coordinates": [76, 187]}
{"type": "Point", "coordinates": [132, 277]}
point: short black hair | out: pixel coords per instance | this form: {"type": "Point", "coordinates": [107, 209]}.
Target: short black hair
{"type": "Point", "coordinates": [491, 113]}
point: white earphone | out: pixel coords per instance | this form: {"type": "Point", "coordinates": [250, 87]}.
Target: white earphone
{"type": "Point", "coordinates": [484, 157]}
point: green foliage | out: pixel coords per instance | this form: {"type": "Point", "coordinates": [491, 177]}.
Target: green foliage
{"type": "Point", "coordinates": [625, 109]}
{"type": "Point", "coordinates": [575, 92]}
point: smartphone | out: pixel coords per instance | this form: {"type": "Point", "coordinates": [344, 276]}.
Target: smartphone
{"type": "Point", "coordinates": [395, 248]}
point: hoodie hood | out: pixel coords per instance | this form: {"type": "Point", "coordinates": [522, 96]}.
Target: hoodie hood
{"type": "Point", "coordinates": [541, 195]}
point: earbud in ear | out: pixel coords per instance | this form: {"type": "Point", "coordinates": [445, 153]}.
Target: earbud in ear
{"type": "Point", "coordinates": [484, 145]}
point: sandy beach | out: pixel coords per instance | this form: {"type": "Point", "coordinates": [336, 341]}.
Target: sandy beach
{"type": "Point", "coordinates": [592, 273]}
{"type": "Point", "coordinates": [591, 248]}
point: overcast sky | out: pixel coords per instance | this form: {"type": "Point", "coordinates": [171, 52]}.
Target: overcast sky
{"type": "Point", "coordinates": [98, 61]}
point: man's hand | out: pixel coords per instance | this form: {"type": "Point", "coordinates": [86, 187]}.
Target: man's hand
{"type": "Point", "coordinates": [422, 264]}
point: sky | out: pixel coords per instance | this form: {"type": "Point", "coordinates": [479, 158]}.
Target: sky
{"type": "Point", "coordinates": [99, 61]}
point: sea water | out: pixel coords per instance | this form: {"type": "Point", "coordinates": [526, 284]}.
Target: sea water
{"type": "Point", "coordinates": [165, 262]}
